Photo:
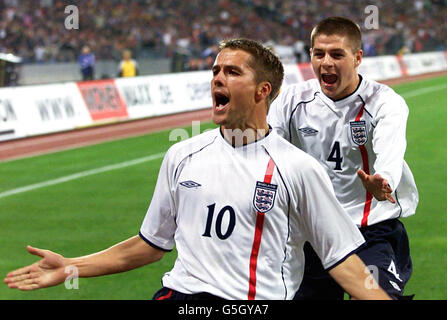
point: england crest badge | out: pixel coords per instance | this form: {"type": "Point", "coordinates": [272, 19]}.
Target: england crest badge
{"type": "Point", "coordinates": [359, 134]}
{"type": "Point", "coordinates": [264, 196]}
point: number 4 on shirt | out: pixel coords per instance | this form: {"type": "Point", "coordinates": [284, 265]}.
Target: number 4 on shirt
{"type": "Point", "coordinates": [335, 156]}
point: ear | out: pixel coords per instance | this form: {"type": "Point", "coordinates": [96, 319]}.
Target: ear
{"type": "Point", "coordinates": [358, 57]}
{"type": "Point", "coordinates": [263, 90]}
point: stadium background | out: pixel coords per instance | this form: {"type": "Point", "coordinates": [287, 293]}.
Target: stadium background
{"type": "Point", "coordinates": [107, 201]}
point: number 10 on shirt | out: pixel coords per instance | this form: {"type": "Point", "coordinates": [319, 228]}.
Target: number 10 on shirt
{"type": "Point", "coordinates": [221, 234]}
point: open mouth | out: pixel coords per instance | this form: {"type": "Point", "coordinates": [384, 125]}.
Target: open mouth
{"type": "Point", "coordinates": [329, 78]}
{"type": "Point", "coordinates": [221, 100]}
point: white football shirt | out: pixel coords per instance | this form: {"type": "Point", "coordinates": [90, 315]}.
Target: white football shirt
{"type": "Point", "coordinates": [365, 130]}
{"type": "Point", "coordinates": [239, 217]}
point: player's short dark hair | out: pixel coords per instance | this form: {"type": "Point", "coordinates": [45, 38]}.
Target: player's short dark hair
{"type": "Point", "coordinates": [264, 61]}
{"type": "Point", "coordinates": [339, 26]}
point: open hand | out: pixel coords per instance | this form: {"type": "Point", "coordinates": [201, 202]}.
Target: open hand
{"type": "Point", "coordinates": [47, 272]}
{"type": "Point", "coordinates": [377, 186]}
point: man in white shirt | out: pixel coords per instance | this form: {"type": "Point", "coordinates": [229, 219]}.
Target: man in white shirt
{"type": "Point", "coordinates": [234, 205]}
{"type": "Point", "coordinates": [355, 127]}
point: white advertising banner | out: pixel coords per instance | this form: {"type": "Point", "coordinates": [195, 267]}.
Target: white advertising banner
{"type": "Point", "coordinates": [380, 68]}
{"type": "Point", "coordinates": [292, 74]}
{"type": "Point", "coordinates": [419, 63]}
{"type": "Point", "coordinates": [43, 109]}
{"type": "Point", "coordinates": [164, 94]}
{"type": "Point", "coordinates": [11, 125]}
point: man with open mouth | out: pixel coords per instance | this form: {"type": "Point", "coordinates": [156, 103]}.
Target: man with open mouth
{"type": "Point", "coordinates": [356, 128]}
{"type": "Point", "coordinates": [234, 204]}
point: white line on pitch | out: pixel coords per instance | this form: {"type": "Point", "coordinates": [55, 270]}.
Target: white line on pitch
{"type": "Point", "coordinates": [82, 174]}
{"type": "Point", "coordinates": [422, 91]}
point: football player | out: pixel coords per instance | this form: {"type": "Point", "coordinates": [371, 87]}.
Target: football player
{"type": "Point", "coordinates": [355, 128]}
{"type": "Point", "coordinates": [233, 203]}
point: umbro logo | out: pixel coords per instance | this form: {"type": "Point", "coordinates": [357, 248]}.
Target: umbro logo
{"type": "Point", "coordinates": [190, 184]}
{"type": "Point", "coordinates": [308, 131]}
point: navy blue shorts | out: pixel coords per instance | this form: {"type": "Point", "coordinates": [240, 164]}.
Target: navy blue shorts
{"type": "Point", "coordinates": [169, 294]}
{"type": "Point", "coordinates": [386, 253]}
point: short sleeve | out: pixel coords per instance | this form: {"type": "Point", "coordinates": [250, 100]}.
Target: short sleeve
{"type": "Point", "coordinates": [158, 227]}
{"type": "Point", "coordinates": [331, 232]}
{"type": "Point", "coordinates": [277, 117]}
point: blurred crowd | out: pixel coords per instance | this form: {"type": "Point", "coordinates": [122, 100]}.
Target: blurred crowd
{"type": "Point", "coordinates": [35, 30]}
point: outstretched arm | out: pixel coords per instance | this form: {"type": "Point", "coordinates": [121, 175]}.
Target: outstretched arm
{"type": "Point", "coordinates": [51, 269]}
{"type": "Point", "coordinates": [377, 186]}
{"type": "Point", "coordinates": [356, 279]}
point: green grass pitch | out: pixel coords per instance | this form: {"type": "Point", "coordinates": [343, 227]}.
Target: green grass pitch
{"type": "Point", "coordinates": [91, 213]}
